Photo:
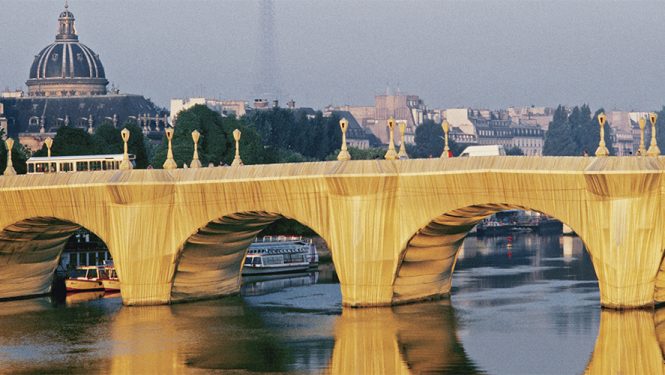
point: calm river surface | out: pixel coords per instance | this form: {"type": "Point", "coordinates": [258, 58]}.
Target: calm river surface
{"type": "Point", "coordinates": [522, 305]}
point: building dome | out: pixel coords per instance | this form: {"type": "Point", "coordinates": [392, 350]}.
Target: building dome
{"type": "Point", "coordinates": [66, 67]}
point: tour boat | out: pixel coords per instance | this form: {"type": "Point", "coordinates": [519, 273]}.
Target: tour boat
{"type": "Point", "coordinates": [110, 281]}
{"type": "Point", "coordinates": [90, 279]}
{"type": "Point", "coordinates": [280, 254]}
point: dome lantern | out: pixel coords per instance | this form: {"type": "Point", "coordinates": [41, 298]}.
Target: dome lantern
{"type": "Point", "coordinates": [66, 29]}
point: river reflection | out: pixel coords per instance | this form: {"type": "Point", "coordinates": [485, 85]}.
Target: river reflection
{"type": "Point", "coordinates": [520, 305]}
{"type": "Point", "coordinates": [410, 339]}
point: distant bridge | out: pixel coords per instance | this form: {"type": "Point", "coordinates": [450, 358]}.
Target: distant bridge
{"type": "Point", "coordinates": [394, 227]}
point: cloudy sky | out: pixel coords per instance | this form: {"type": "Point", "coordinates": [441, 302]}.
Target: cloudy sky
{"type": "Point", "coordinates": [491, 53]}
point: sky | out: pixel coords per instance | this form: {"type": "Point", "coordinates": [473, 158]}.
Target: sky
{"type": "Point", "coordinates": [461, 53]}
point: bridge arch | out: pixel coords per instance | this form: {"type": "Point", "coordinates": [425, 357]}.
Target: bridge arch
{"type": "Point", "coordinates": [30, 250]}
{"type": "Point", "coordinates": [427, 262]}
{"type": "Point", "coordinates": [209, 262]}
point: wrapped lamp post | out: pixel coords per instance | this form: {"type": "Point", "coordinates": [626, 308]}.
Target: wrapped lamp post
{"type": "Point", "coordinates": [169, 163]}
{"type": "Point", "coordinates": [196, 163]}
{"type": "Point", "coordinates": [391, 154]}
{"type": "Point", "coordinates": [125, 164]}
{"type": "Point", "coordinates": [237, 161]}
{"type": "Point", "coordinates": [9, 171]}
{"type": "Point", "coordinates": [602, 149]}
{"type": "Point", "coordinates": [402, 147]}
{"type": "Point", "coordinates": [344, 153]}
{"type": "Point", "coordinates": [446, 150]}
{"type": "Point", "coordinates": [49, 143]}
{"type": "Point", "coordinates": [653, 147]}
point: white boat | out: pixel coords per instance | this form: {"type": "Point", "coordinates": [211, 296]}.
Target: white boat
{"type": "Point", "coordinates": [89, 278]}
{"type": "Point", "coordinates": [110, 281]}
{"type": "Point", "coordinates": [280, 254]}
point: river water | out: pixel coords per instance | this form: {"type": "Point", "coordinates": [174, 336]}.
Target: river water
{"type": "Point", "coordinates": [524, 304]}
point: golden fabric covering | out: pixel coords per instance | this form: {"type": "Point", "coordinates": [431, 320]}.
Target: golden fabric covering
{"type": "Point", "coordinates": [393, 227]}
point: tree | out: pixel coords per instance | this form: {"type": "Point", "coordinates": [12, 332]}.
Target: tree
{"type": "Point", "coordinates": [575, 134]}
{"type": "Point", "coordinates": [430, 141]}
{"type": "Point", "coordinates": [108, 139]}
{"type": "Point", "coordinates": [216, 144]}
{"type": "Point", "coordinates": [70, 141]}
{"type": "Point", "coordinates": [514, 151]}
{"type": "Point", "coordinates": [559, 139]}
{"type": "Point", "coordinates": [20, 155]}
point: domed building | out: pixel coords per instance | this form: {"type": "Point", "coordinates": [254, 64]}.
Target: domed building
{"type": "Point", "coordinates": [66, 67]}
{"type": "Point", "coordinates": [67, 86]}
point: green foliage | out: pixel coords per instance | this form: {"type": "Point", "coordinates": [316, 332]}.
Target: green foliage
{"type": "Point", "coordinates": [576, 133]}
{"type": "Point", "coordinates": [284, 129]}
{"type": "Point", "coordinates": [514, 151]}
{"type": "Point", "coordinates": [429, 141]}
{"type": "Point", "coordinates": [108, 139]}
{"type": "Point", "coordinates": [216, 144]}
{"type": "Point", "coordinates": [367, 154]}
{"type": "Point", "coordinates": [70, 141]}
{"type": "Point", "coordinates": [20, 155]}
{"type": "Point", "coordinates": [660, 131]}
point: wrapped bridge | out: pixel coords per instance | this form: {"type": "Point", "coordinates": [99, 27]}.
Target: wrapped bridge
{"type": "Point", "coordinates": [394, 227]}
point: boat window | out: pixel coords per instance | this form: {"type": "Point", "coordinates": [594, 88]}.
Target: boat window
{"type": "Point", "coordinates": [96, 165]}
{"type": "Point", "coordinates": [91, 273]}
{"type": "Point", "coordinates": [66, 167]}
{"type": "Point", "coordinates": [257, 261]}
{"type": "Point", "coordinates": [82, 166]}
{"type": "Point", "coordinates": [248, 261]}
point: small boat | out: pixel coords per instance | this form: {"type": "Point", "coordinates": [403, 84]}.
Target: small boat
{"type": "Point", "coordinates": [110, 281]}
{"type": "Point", "coordinates": [88, 278]}
{"type": "Point", "coordinates": [279, 255]}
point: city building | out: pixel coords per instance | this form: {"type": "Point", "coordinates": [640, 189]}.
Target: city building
{"type": "Point", "coordinates": [356, 136]}
{"type": "Point", "coordinates": [237, 108]}
{"type": "Point", "coordinates": [403, 108]}
{"type": "Point", "coordinates": [3, 121]}
{"type": "Point", "coordinates": [533, 116]}
{"type": "Point", "coordinates": [499, 128]}
{"type": "Point", "coordinates": [67, 86]}
{"type": "Point", "coordinates": [621, 129]}
{"type": "Point", "coordinates": [462, 129]}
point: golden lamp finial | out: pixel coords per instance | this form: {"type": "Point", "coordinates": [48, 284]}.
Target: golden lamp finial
{"type": "Point", "coordinates": [653, 147]}
{"type": "Point", "coordinates": [402, 147]}
{"type": "Point", "coordinates": [237, 161]}
{"type": "Point", "coordinates": [9, 171]}
{"type": "Point", "coordinates": [49, 143]}
{"type": "Point", "coordinates": [446, 150]}
{"type": "Point", "coordinates": [391, 154]}
{"type": "Point", "coordinates": [344, 153]}
{"type": "Point", "coordinates": [602, 149]}
{"type": "Point", "coordinates": [170, 162]}
{"type": "Point", "coordinates": [196, 163]}
{"type": "Point", "coordinates": [125, 164]}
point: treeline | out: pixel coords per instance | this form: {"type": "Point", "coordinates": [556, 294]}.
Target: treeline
{"type": "Point", "coordinates": [575, 133]}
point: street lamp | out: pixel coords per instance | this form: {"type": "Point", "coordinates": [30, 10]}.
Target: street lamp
{"type": "Point", "coordinates": [602, 149]}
